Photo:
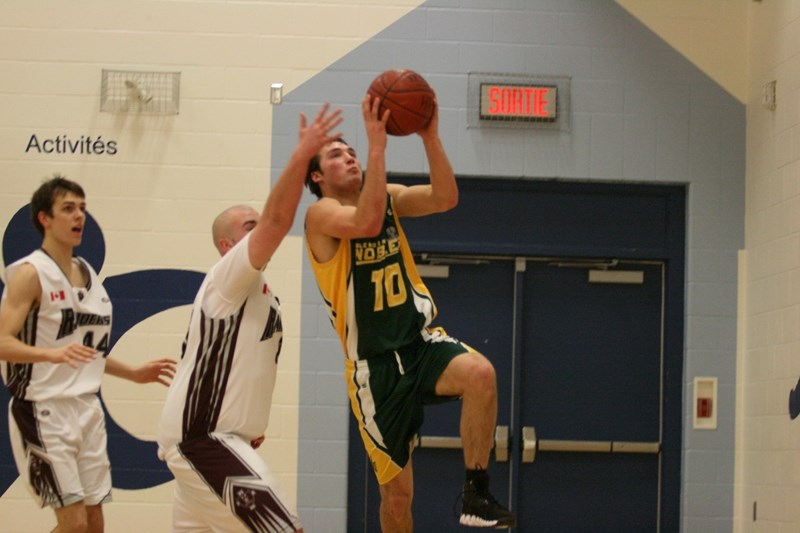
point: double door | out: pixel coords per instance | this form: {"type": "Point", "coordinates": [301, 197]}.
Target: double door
{"type": "Point", "coordinates": [578, 347]}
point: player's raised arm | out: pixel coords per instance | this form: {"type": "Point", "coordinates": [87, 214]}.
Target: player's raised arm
{"type": "Point", "coordinates": [372, 201]}
{"type": "Point", "coordinates": [442, 192]}
{"type": "Point", "coordinates": [352, 202]}
{"type": "Point", "coordinates": [279, 210]}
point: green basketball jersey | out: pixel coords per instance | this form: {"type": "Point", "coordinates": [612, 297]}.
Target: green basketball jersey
{"type": "Point", "coordinates": [375, 297]}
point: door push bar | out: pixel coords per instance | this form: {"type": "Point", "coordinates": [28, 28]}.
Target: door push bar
{"type": "Point", "coordinates": [530, 444]}
{"type": "Point", "coordinates": [500, 443]}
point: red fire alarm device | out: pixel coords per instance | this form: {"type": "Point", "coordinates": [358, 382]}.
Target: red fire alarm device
{"type": "Point", "coordinates": [705, 403]}
{"type": "Point", "coordinates": [704, 406]}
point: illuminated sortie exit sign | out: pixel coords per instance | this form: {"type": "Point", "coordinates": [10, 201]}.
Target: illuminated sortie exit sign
{"type": "Point", "coordinates": [517, 102]}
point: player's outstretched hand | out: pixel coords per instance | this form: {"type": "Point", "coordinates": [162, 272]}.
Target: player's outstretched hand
{"type": "Point", "coordinates": [72, 354]}
{"type": "Point", "coordinates": [156, 371]}
{"type": "Point", "coordinates": [320, 132]}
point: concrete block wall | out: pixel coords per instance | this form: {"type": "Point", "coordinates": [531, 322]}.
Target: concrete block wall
{"type": "Point", "coordinates": [768, 467]}
{"type": "Point", "coordinates": [642, 112]}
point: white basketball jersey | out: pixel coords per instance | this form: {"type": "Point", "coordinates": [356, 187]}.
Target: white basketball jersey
{"type": "Point", "coordinates": [226, 375]}
{"type": "Point", "coordinates": [65, 315]}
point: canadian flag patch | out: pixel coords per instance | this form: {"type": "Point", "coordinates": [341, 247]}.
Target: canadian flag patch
{"type": "Point", "coordinates": [57, 295]}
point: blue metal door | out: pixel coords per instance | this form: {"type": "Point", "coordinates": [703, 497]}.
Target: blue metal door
{"type": "Point", "coordinates": [590, 397]}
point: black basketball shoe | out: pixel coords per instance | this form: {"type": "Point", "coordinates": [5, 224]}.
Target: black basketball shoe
{"type": "Point", "coordinates": [480, 509]}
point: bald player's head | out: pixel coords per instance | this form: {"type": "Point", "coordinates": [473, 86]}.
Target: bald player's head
{"type": "Point", "coordinates": [232, 225]}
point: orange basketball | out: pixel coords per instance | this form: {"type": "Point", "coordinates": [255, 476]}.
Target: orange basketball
{"type": "Point", "coordinates": [408, 96]}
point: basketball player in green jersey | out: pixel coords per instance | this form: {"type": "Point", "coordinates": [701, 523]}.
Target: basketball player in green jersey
{"type": "Point", "coordinates": [394, 362]}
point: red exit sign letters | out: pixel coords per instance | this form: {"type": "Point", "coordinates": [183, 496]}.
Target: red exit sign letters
{"type": "Point", "coordinates": [518, 102]}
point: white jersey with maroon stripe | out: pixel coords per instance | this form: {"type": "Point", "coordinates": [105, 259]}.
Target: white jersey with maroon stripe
{"type": "Point", "coordinates": [65, 315]}
{"type": "Point", "coordinates": [226, 375]}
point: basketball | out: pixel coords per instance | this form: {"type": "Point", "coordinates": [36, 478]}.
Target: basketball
{"type": "Point", "coordinates": [409, 98]}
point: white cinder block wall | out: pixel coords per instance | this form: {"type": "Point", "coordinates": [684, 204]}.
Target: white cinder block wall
{"type": "Point", "coordinates": [768, 465]}
{"type": "Point", "coordinates": [155, 198]}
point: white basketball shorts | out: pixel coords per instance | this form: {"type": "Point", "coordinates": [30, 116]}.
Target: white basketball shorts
{"type": "Point", "coordinates": [60, 450]}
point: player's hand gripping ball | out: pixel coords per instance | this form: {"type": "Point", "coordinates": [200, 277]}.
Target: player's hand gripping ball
{"type": "Point", "coordinates": [408, 96]}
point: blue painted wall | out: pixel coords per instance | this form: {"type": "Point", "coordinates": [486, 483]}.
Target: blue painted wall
{"type": "Point", "coordinates": [640, 112]}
